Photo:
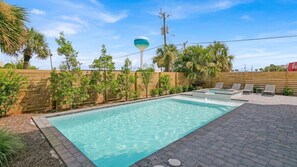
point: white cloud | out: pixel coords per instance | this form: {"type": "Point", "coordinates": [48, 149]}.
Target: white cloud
{"type": "Point", "coordinates": [67, 28]}
{"type": "Point", "coordinates": [92, 12]}
{"type": "Point", "coordinates": [110, 18]}
{"type": "Point", "coordinates": [116, 37]}
{"type": "Point", "coordinates": [246, 17]}
{"type": "Point", "coordinates": [184, 10]}
{"type": "Point", "coordinates": [37, 12]}
{"type": "Point", "coordinates": [75, 19]}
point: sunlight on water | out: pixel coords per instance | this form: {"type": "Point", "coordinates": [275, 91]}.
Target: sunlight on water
{"type": "Point", "coordinates": [120, 136]}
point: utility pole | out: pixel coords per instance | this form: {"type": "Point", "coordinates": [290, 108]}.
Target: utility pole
{"type": "Point", "coordinates": [51, 61]}
{"type": "Point", "coordinates": [164, 29]}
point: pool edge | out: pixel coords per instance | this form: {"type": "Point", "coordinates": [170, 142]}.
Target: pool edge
{"type": "Point", "coordinates": [65, 149]}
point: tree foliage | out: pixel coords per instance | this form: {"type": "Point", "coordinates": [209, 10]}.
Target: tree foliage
{"type": "Point", "coordinates": [199, 62]}
{"type": "Point", "coordinates": [146, 75]}
{"type": "Point", "coordinates": [35, 44]}
{"type": "Point", "coordinates": [102, 78]}
{"type": "Point", "coordinates": [165, 82]}
{"type": "Point", "coordinates": [10, 85]}
{"type": "Point", "coordinates": [12, 28]}
{"type": "Point", "coordinates": [18, 64]}
{"type": "Point", "coordinates": [69, 86]}
{"type": "Point", "coordinates": [69, 53]}
{"type": "Point", "coordinates": [165, 57]}
{"type": "Point", "coordinates": [126, 80]}
{"type": "Point", "coordinates": [272, 68]}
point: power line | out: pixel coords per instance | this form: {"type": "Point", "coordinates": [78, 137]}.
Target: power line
{"type": "Point", "coordinates": [249, 39]}
{"type": "Point", "coordinates": [223, 41]}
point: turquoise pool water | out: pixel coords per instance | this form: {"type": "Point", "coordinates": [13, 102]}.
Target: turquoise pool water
{"type": "Point", "coordinates": [120, 136]}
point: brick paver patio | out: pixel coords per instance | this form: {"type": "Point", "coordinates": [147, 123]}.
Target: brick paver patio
{"type": "Point", "coordinates": [251, 135]}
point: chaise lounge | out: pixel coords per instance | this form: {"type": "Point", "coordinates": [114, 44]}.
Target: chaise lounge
{"type": "Point", "coordinates": [219, 85]}
{"type": "Point", "coordinates": [235, 86]}
{"type": "Point", "coordinates": [248, 89]}
{"type": "Point", "coordinates": [269, 90]}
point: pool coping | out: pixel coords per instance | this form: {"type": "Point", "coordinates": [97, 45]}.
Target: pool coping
{"type": "Point", "coordinates": [66, 150]}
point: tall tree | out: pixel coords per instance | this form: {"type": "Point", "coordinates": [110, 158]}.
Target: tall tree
{"type": "Point", "coordinates": [12, 28]}
{"type": "Point", "coordinates": [65, 49]}
{"type": "Point", "coordinates": [165, 57]}
{"type": "Point", "coordinates": [220, 54]}
{"type": "Point", "coordinates": [126, 79]}
{"type": "Point", "coordinates": [146, 75]}
{"type": "Point", "coordinates": [70, 86]}
{"type": "Point", "coordinates": [34, 44]}
{"type": "Point", "coordinates": [197, 62]}
{"type": "Point", "coordinates": [105, 82]}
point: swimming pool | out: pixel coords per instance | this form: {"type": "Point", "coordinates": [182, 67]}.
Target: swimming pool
{"type": "Point", "coordinates": [122, 135]}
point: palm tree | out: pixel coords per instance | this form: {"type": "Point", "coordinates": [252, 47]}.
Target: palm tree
{"type": "Point", "coordinates": [34, 44]}
{"type": "Point", "coordinates": [12, 28]}
{"type": "Point", "coordinates": [198, 62]}
{"type": "Point", "coordinates": [166, 57]}
{"type": "Point", "coordinates": [159, 58]}
{"type": "Point", "coordinates": [221, 56]}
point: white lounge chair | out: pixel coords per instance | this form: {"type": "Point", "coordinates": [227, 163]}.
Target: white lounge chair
{"type": "Point", "coordinates": [219, 85]}
{"type": "Point", "coordinates": [269, 89]}
{"type": "Point", "coordinates": [235, 86]}
{"type": "Point", "coordinates": [248, 88]}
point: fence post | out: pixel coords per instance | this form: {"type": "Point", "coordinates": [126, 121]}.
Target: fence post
{"type": "Point", "coordinates": [135, 84]}
{"type": "Point", "coordinates": [287, 79]}
{"type": "Point", "coordinates": [159, 84]}
{"type": "Point", "coordinates": [175, 79]}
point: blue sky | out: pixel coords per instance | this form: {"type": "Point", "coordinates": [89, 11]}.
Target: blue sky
{"type": "Point", "coordinates": [91, 23]}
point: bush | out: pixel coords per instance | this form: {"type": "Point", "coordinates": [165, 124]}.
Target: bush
{"type": "Point", "coordinates": [10, 84]}
{"type": "Point", "coordinates": [179, 89]}
{"type": "Point", "coordinates": [135, 95]}
{"type": "Point", "coordinates": [161, 92]}
{"type": "Point", "coordinates": [191, 88]}
{"type": "Point", "coordinates": [288, 91]}
{"type": "Point", "coordinates": [172, 91]}
{"type": "Point", "coordinates": [165, 82]}
{"type": "Point", "coordinates": [185, 88]}
{"type": "Point", "coordinates": [10, 144]}
{"type": "Point", "coordinates": [154, 92]}
{"type": "Point", "coordinates": [256, 89]}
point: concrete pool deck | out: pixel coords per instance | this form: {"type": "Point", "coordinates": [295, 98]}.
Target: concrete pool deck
{"type": "Point", "coordinates": [251, 135]}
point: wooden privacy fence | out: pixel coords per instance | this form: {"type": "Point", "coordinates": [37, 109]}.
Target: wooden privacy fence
{"type": "Point", "coordinates": [36, 97]}
{"type": "Point", "coordinates": [259, 79]}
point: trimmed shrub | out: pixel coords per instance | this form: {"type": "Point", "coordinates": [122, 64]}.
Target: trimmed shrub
{"type": "Point", "coordinates": [10, 144]}
{"type": "Point", "coordinates": [172, 91]}
{"type": "Point", "coordinates": [288, 91]}
{"type": "Point", "coordinates": [161, 92]}
{"type": "Point", "coordinates": [135, 95]}
{"type": "Point", "coordinates": [179, 89]}
{"type": "Point", "coordinates": [185, 88]}
{"type": "Point", "coordinates": [256, 89]}
{"type": "Point", "coordinates": [191, 88]}
{"type": "Point", "coordinates": [165, 82]}
{"type": "Point", "coordinates": [10, 84]}
{"type": "Point", "coordinates": [154, 92]}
